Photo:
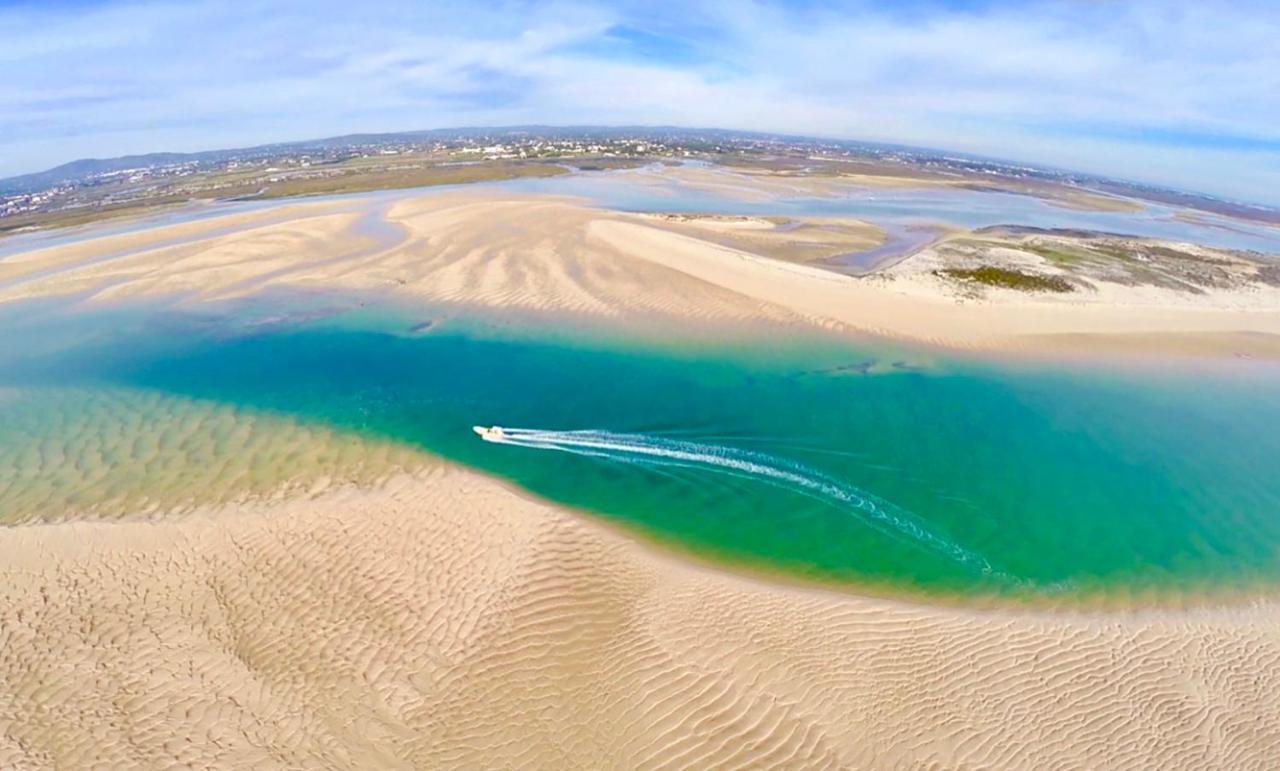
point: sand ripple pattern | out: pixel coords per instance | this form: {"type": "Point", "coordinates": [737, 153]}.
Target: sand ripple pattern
{"type": "Point", "coordinates": [512, 252]}
{"type": "Point", "coordinates": [499, 249]}
{"type": "Point", "coordinates": [75, 453]}
{"type": "Point", "coordinates": [541, 254]}
{"type": "Point", "coordinates": [442, 621]}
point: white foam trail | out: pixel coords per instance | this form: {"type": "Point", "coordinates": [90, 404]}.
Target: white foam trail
{"type": "Point", "coordinates": [876, 512]}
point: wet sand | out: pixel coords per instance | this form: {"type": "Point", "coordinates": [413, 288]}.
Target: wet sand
{"type": "Point", "coordinates": [147, 455]}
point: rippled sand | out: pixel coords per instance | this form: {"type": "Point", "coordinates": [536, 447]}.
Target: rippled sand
{"type": "Point", "coordinates": [442, 621]}
{"type": "Point", "coordinates": [76, 453]}
{"type": "Point", "coordinates": [494, 249]}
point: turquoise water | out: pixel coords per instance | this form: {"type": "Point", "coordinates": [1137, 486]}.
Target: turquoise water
{"type": "Point", "coordinates": [820, 457]}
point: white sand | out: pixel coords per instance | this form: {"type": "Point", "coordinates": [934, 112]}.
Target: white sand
{"type": "Point", "coordinates": [441, 621]}
{"type": "Point", "coordinates": [492, 249]}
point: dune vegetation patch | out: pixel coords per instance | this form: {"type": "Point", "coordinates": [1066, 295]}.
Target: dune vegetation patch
{"type": "Point", "coordinates": [1007, 278]}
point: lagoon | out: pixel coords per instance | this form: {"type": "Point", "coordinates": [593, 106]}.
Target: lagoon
{"type": "Point", "coordinates": [824, 458]}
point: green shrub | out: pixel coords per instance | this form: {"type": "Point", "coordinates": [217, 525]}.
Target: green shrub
{"type": "Point", "coordinates": [1009, 279]}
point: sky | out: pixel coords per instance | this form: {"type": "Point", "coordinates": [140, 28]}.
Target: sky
{"type": "Point", "coordinates": [1183, 94]}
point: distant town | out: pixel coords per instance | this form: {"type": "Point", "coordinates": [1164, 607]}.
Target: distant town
{"type": "Point", "coordinates": [89, 189]}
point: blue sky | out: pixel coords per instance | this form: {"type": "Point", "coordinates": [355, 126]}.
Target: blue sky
{"type": "Point", "coordinates": [1179, 93]}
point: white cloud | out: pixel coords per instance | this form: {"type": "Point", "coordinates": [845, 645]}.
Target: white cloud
{"type": "Point", "coordinates": [1145, 89]}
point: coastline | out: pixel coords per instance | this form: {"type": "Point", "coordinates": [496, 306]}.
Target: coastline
{"type": "Point", "coordinates": [444, 618]}
{"type": "Point", "coordinates": [423, 592]}
{"type": "Point", "coordinates": [552, 254]}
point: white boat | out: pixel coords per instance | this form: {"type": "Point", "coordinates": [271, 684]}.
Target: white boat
{"type": "Point", "coordinates": [490, 433]}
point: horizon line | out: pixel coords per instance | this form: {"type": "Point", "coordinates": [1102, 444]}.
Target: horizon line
{"type": "Point", "coordinates": [1033, 165]}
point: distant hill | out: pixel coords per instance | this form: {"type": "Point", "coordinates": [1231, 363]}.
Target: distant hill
{"type": "Point", "coordinates": [87, 167]}
{"type": "Point", "coordinates": [79, 170]}
{"type": "Point", "coordinates": [84, 168]}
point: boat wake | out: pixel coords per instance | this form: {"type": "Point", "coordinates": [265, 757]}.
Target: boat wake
{"type": "Point", "coordinates": [647, 449]}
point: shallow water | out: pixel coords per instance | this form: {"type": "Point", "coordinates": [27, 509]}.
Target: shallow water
{"type": "Point", "coordinates": [839, 461]}
{"type": "Point", "coordinates": [910, 216]}
{"type": "Point", "coordinates": [899, 209]}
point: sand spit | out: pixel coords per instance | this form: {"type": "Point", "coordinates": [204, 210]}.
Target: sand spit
{"type": "Point", "coordinates": [814, 240]}
{"type": "Point", "coordinates": [906, 303]}
{"type": "Point", "coordinates": [761, 184]}
{"type": "Point", "coordinates": [495, 249]}
{"type": "Point", "coordinates": [442, 621]}
{"type": "Point", "coordinates": [100, 242]}
{"type": "Point", "coordinates": [835, 177]}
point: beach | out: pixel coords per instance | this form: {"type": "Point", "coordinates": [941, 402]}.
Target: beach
{"type": "Point", "coordinates": [440, 619]}
{"type": "Point", "coordinates": [546, 253]}
{"type": "Point", "coordinates": [414, 613]}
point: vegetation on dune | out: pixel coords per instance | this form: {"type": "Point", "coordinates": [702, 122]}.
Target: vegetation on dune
{"type": "Point", "coordinates": [1060, 256]}
{"type": "Point", "coordinates": [73, 217]}
{"type": "Point", "coordinates": [1129, 261]}
{"type": "Point", "coordinates": [1009, 279]}
{"type": "Point", "coordinates": [390, 179]}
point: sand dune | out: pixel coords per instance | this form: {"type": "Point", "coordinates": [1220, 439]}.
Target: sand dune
{"type": "Point", "coordinates": [443, 621]}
